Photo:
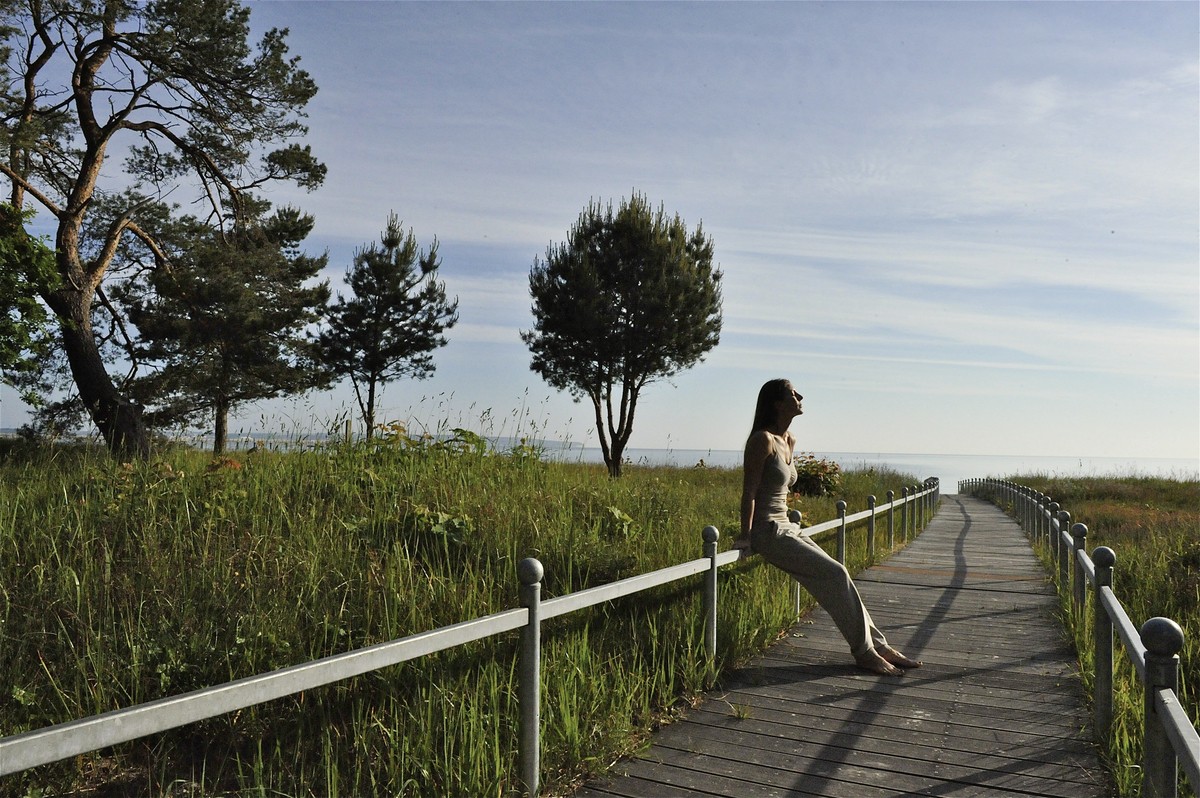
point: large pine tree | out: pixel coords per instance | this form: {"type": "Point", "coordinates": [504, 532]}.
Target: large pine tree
{"type": "Point", "coordinates": [176, 85]}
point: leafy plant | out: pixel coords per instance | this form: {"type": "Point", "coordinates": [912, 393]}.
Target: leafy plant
{"type": "Point", "coordinates": [816, 476]}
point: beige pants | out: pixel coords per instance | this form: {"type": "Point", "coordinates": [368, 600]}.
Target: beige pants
{"type": "Point", "coordinates": [783, 545]}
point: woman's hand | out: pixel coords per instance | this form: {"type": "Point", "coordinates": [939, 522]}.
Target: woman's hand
{"type": "Point", "coordinates": [743, 545]}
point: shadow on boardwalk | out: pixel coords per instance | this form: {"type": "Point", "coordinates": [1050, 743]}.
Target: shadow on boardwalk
{"type": "Point", "coordinates": [997, 708]}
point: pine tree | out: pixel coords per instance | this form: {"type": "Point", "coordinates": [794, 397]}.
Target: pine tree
{"type": "Point", "coordinates": [204, 110]}
{"type": "Point", "coordinates": [630, 298]}
{"type": "Point", "coordinates": [226, 322]}
{"type": "Point", "coordinates": [397, 315]}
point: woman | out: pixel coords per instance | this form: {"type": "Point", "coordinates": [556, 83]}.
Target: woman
{"type": "Point", "coordinates": [766, 529]}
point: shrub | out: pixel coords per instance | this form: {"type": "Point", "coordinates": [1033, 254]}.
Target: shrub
{"type": "Point", "coordinates": [816, 476]}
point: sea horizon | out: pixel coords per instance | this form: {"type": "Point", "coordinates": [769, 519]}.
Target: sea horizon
{"type": "Point", "coordinates": [950, 469]}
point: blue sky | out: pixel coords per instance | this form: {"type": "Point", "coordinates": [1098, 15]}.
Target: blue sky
{"type": "Point", "coordinates": [961, 227]}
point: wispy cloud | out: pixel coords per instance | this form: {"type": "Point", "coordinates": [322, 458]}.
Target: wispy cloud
{"type": "Point", "coordinates": [951, 211]}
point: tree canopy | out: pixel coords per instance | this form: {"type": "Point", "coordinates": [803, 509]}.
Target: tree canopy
{"type": "Point", "coordinates": [198, 109]}
{"type": "Point", "coordinates": [226, 322]}
{"type": "Point", "coordinates": [631, 297]}
{"type": "Point", "coordinates": [26, 268]}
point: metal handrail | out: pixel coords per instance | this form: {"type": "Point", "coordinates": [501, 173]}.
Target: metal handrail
{"type": "Point", "coordinates": [582, 599]}
{"type": "Point", "coordinates": [64, 740]}
{"type": "Point", "coordinates": [1124, 627]}
{"type": "Point", "coordinates": [1170, 739]}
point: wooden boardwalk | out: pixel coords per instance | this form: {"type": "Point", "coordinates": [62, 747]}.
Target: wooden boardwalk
{"type": "Point", "coordinates": [997, 709]}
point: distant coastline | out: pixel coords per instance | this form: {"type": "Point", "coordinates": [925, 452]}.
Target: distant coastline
{"type": "Point", "coordinates": [949, 468]}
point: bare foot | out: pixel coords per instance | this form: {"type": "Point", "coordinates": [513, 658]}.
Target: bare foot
{"type": "Point", "coordinates": [874, 663]}
{"type": "Point", "coordinates": [896, 658]}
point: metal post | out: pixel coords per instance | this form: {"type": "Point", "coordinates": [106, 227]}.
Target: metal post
{"type": "Point", "coordinates": [1102, 632]}
{"type": "Point", "coordinates": [841, 537]}
{"type": "Point", "coordinates": [1036, 510]}
{"type": "Point", "coordinates": [1051, 533]}
{"type": "Point", "coordinates": [1044, 518]}
{"type": "Point", "coordinates": [711, 535]}
{"type": "Point", "coordinates": [891, 520]}
{"type": "Point", "coordinates": [1064, 550]}
{"type": "Point", "coordinates": [1079, 536]}
{"type": "Point", "coordinates": [904, 514]}
{"type": "Point", "coordinates": [912, 515]}
{"type": "Point", "coordinates": [918, 520]}
{"type": "Point", "coordinates": [529, 686]}
{"type": "Point", "coordinates": [871, 528]}
{"type": "Point", "coordinates": [796, 517]}
{"type": "Point", "coordinates": [1163, 640]}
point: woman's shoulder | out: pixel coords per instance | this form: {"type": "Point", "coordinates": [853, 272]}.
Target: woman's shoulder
{"type": "Point", "coordinates": [760, 441]}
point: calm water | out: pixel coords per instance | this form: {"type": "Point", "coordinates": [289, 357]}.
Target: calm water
{"type": "Point", "coordinates": [949, 468]}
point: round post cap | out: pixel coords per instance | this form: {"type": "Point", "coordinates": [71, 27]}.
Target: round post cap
{"type": "Point", "coordinates": [530, 571]}
{"type": "Point", "coordinates": [1162, 636]}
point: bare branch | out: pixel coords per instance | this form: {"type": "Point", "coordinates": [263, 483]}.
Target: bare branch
{"type": "Point", "coordinates": [30, 189]}
{"type": "Point", "coordinates": [118, 324]}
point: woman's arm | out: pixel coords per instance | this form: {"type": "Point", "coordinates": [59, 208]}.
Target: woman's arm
{"type": "Point", "coordinates": [758, 449]}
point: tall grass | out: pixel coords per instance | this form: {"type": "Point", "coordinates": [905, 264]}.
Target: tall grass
{"type": "Point", "coordinates": [1153, 526]}
{"type": "Point", "coordinates": [122, 583]}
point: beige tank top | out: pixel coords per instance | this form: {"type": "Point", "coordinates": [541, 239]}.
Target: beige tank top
{"type": "Point", "coordinates": [779, 474]}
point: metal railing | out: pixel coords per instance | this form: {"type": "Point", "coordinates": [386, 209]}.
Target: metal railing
{"type": "Point", "coordinates": [1170, 739]}
{"type": "Point", "coordinates": [62, 741]}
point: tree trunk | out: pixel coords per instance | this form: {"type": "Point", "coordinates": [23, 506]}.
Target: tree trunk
{"type": "Point", "coordinates": [221, 427]}
{"type": "Point", "coordinates": [614, 458]}
{"type": "Point", "coordinates": [613, 463]}
{"type": "Point", "coordinates": [624, 429]}
{"type": "Point", "coordinates": [369, 418]}
{"type": "Point", "coordinates": [118, 419]}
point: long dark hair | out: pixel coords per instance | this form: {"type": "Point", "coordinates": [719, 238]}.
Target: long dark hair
{"type": "Point", "coordinates": [771, 392]}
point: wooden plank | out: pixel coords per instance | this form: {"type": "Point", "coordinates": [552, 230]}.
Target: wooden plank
{"type": "Point", "coordinates": [996, 709]}
{"type": "Point", "coordinates": [910, 732]}
{"type": "Point", "coordinates": [817, 751]}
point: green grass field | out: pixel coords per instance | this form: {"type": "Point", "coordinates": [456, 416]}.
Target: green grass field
{"type": "Point", "coordinates": [122, 583]}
